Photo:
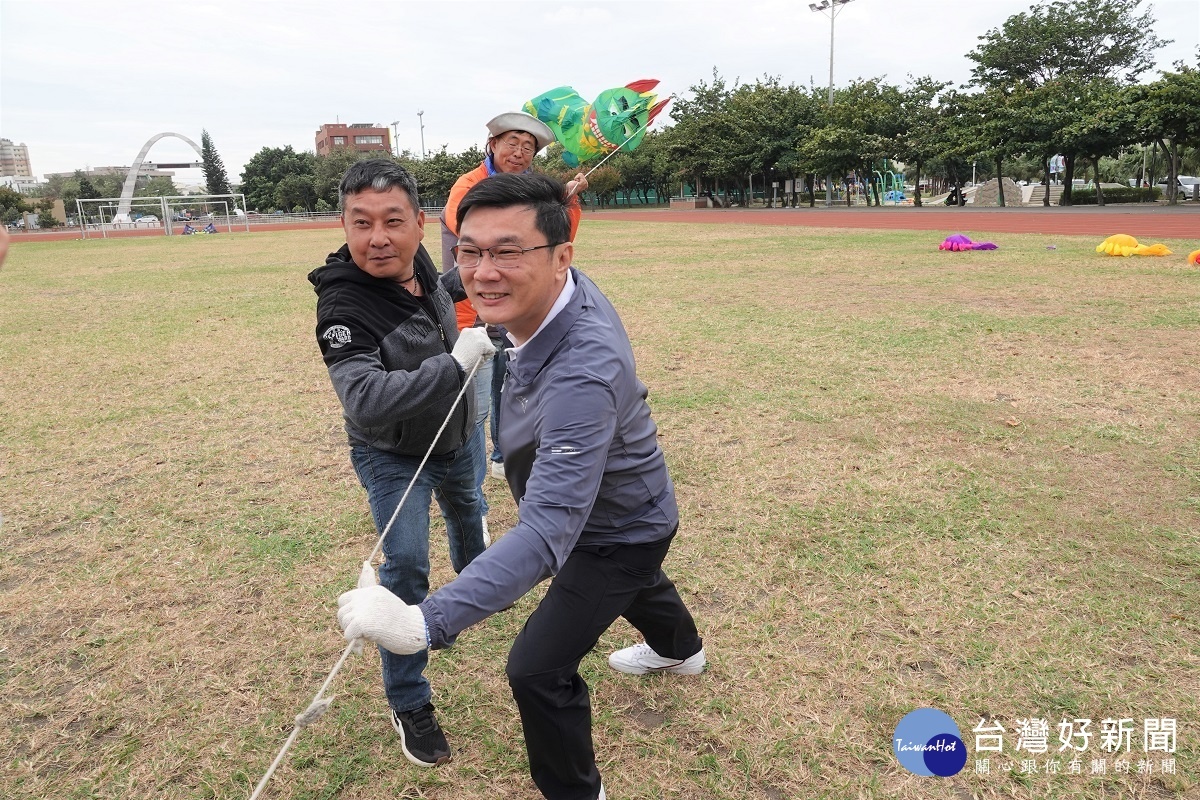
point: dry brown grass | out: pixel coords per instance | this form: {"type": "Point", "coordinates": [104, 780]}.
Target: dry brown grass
{"type": "Point", "coordinates": [907, 478]}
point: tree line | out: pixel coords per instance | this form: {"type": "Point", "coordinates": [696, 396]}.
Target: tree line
{"type": "Point", "coordinates": [1059, 79]}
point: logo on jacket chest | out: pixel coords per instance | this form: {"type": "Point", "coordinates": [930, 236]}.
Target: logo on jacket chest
{"type": "Point", "coordinates": [337, 336]}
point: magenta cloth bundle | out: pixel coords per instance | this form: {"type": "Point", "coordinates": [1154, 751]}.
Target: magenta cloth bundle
{"type": "Point", "coordinates": [958, 243]}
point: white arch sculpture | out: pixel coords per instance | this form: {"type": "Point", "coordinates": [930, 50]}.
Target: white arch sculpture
{"type": "Point", "coordinates": [126, 201]}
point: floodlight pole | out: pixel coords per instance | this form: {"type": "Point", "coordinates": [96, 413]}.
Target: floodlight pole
{"type": "Point", "coordinates": [832, 6]}
{"type": "Point", "coordinates": [421, 119]}
{"type": "Point", "coordinates": [396, 138]}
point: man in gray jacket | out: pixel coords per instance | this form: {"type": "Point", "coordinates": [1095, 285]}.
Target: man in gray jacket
{"type": "Point", "coordinates": [596, 506]}
{"type": "Point", "coordinates": [386, 331]}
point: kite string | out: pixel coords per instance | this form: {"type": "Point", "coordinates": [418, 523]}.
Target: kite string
{"type": "Point", "coordinates": [320, 704]}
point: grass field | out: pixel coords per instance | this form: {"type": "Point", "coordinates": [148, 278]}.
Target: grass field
{"type": "Point", "coordinates": [907, 478]}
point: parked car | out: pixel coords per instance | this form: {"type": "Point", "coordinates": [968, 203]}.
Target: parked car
{"type": "Point", "coordinates": [147, 219]}
{"type": "Point", "coordinates": [1186, 182]}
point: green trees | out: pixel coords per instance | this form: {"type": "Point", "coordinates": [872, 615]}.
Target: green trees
{"type": "Point", "coordinates": [1104, 123]}
{"type": "Point", "coordinates": [281, 178]}
{"type": "Point", "coordinates": [327, 174]}
{"type": "Point", "coordinates": [437, 172]}
{"type": "Point", "coordinates": [768, 121]}
{"type": "Point", "coordinates": [723, 137]}
{"type": "Point", "coordinates": [646, 169]}
{"type": "Point", "coordinates": [923, 136]}
{"type": "Point", "coordinates": [1068, 39]}
{"type": "Point", "coordinates": [1168, 114]}
{"type": "Point", "coordinates": [1060, 78]}
{"type": "Point", "coordinates": [295, 192]}
{"type": "Point", "coordinates": [268, 168]}
{"type": "Point", "coordinates": [12, 205]}
{"type": "Point", "coordinates": [1075, 53]}
{"type": "Point", "coordinates": [158, 186]}
{"type": "Point", "coordinates": [699, 143]}
{"type": "Point", "coordinates": [215, 179]}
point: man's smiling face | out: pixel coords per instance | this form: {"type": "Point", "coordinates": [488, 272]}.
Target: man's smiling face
{"type": "Point", "coordinates": [383, 231]}
{"type": "Point", "coordinates": [518, 297]}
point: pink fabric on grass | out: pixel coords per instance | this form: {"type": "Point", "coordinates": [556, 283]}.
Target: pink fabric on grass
{"type": "Point", "coordinates": [958, 242]}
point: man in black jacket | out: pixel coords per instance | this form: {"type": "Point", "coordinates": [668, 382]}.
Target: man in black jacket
{"type": "Point", "coordinates": [386, 331]}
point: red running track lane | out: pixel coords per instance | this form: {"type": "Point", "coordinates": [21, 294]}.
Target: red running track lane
{"type": "Point", "coordinates": [1162, 222]}
{"type": "Point", "coordinates": [73, 233]}
{"type": "Point", "coordinates": [1180, 222]}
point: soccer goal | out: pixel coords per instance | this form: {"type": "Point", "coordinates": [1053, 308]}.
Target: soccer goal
{"type": "Point", "coordinates": [168, 213]}
{"type": "Point", "coordinates": [99, 215]}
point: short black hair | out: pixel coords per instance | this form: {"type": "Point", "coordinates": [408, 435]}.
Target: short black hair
{"type": "Point", "coordinates": [377, 175]}
{"type": "Point", "coordinates": [543, 194]}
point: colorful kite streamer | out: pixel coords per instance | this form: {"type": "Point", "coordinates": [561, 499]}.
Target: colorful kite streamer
{"type": "Point", "coordinates": [618, 118]}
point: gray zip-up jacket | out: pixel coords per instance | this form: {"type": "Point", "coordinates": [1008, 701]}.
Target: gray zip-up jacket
{"type": "Point", "coordinates": [582, 458]}
{"type": "Point", "coordinates": [388, 355]}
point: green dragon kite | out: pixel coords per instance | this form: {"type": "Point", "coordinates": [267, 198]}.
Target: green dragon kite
{"type": "Point", "coordinates": [617, 119]}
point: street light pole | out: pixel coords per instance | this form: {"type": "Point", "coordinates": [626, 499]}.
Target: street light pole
{"type": "Point", "coordinates": [421, 118]}
{"type": "Point", "coordinates": [396, 138]}
{"type": "Point", "coordinates": [832, 7]}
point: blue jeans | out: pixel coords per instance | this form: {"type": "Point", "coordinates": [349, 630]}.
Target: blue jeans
{"type": "Point", "coordinates": [451, 479]}
{"type": "Point", "coordinates": [499, 370]}
{"type": "Point", "coordinates": [483, 401]}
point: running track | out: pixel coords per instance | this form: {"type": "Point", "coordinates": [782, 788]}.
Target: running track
{"type": "Point", "coordinates": [1181, 222]}
{"type": "Point", "coordinates": [1162, 222]}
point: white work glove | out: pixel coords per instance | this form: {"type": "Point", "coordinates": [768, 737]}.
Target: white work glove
{"type": "Point", "coordinates": [376, 614]}
{"type": "Point", "coordinates": [472, 345]}
{"type": "Point", "coordinates": [366, 577]}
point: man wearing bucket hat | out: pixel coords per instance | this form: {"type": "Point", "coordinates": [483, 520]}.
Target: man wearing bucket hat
{"type": "Point", "coordinates": [514, 138]}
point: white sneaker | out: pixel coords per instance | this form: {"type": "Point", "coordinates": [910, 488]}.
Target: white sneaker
{"type": "Point", "coordinates": [496, 470]}
{"type": "Point", "coordinates": [487, 537]}
{"type": "Point", "coordinates": [601, 797]}
{"type": "Point", "coordinates": [641, 659]}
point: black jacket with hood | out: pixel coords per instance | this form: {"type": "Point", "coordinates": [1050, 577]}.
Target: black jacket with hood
{"type": "Point", "coordinates": [388, 356]}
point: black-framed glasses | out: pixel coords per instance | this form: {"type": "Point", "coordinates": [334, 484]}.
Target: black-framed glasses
{"type": "Point", "coordinates": [504, 256]}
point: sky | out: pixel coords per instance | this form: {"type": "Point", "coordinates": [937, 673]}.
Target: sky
{"type": "Point", "coordinates": [86, 83]}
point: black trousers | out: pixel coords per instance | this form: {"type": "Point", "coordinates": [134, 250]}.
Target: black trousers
{"type": "Point", "coordinates": [595, 586]}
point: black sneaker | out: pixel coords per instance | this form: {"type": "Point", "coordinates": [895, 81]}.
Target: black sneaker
{"type": "Point", "coordinates": [421, 737]}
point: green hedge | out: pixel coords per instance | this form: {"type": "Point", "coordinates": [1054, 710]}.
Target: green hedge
{"type": "Point", "coordinates": [1087, 197]}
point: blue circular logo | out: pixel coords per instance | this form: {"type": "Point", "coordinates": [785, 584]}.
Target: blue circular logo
{"type": "Point", "coordinates": [927, 742]}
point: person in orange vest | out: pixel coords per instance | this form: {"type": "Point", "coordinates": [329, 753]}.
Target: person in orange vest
{"type": "Point", "coordinates": [514, 138]}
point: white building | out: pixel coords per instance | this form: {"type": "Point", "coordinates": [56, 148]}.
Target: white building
{"type": "Point", "coordinates": [14, 159]}
{"type": "Point", "coordinates": [19, 183]}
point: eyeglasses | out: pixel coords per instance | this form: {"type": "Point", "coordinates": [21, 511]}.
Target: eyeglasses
{"type": "Point", "coordinates": [504, 256]}
{"type": "Point", "coordinates": [514, 143]}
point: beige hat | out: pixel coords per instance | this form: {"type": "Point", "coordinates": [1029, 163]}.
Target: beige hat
{"type": "Point", "coordinates": [520, 121]}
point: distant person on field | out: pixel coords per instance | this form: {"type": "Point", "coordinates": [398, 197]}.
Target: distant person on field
{"type": "Point", "coordinates": [386, 330]}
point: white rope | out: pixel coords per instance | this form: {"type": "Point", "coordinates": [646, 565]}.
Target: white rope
{"type": "Point", "coordinates": [320, 704]}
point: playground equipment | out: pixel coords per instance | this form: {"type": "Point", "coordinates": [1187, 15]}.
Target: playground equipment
{"type": "Point", "coordinates": [891, 183]}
